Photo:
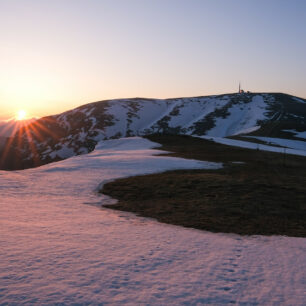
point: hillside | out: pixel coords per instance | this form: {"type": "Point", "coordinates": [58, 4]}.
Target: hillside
{"type": "Point", "coordinates": [77, 131]}
{"type": "Point", "coordinates": [2, 142]}
{"type": "Point", "coordinates": [9, 128]}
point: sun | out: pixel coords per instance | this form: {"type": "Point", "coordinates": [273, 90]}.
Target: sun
{"type": "Point", "coordinates": [21, 115]}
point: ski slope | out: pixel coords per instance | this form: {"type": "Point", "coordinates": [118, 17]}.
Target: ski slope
{"type": "Point", "coordinates": [58, 246]}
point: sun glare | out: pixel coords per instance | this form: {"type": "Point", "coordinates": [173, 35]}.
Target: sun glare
{"type": "Point", "coordinates": [21, 115]}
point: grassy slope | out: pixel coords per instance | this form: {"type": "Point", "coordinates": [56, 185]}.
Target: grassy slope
{"type": "Point", "coordinates": [265, 195]}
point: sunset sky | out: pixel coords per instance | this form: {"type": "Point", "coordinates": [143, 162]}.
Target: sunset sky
{"type": "Point", "coordinates": [59, 54]}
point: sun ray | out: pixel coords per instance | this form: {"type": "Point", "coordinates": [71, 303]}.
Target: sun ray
{"type": "Point", "coordinates": [8, 126]}
{"type": "Point", "coordinates": [8, 145]}
{"type": "Point", "coordinates": [32, 145]}
{"type": "Point", "coordinates": [27, 135]}
{"type": "Point", "coordinates": [39, 125]}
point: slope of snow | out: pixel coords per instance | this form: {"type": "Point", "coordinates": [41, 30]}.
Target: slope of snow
{"type": "Point", "coordinates": [120, 123]}
{"type": "Point", "coordinates": [248, 130]}
{"type": "Point", "coordinates": [147, 115]}
{"type": "Point", "coordinates": [192, 110]}
{"type": "Point", "coordinates": [297, 134]}
{"type": "Point", "coordinates": [64, 152]}
{"type": "Point", "coordinates": [288, 143]}
{"type": "Point", "coordinates": [256, 146]}
{"type": "Point", "coordinates": [59, 247]}
{"type": "Point", "coordinates": [242, 116]}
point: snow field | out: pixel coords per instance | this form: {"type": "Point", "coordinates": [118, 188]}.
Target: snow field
{"type": "Point", "coordinates": [59, 247]}
{"type": "Point", "coordinates": [243, 116]}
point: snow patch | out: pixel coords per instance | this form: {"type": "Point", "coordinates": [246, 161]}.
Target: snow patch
{"type": "Point", "coordinates": [249, 130]}
{"type": "Point", "coordinates": [254, 146]}
{"type": "Point", "coordinates": [297, 134]}
{"type": "Point", "coordinates": [64, 152]}
{"type": "Point", "coordinates": [288, 143]}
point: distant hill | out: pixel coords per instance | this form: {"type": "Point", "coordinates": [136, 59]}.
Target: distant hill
{"type": "Point", "coordinates": [8, 128]}
{"type": "Point", "coordinates": [77, 131]}
{"type": "Point", "coordinates": [2, 142]}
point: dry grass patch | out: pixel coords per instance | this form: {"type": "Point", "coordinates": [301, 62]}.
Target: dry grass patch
{"type": "Point", "coordinates": [265, 195]}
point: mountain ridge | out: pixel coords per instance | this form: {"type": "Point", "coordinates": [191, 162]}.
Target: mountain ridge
{"type": "Point", "coordinates": [77, 131]}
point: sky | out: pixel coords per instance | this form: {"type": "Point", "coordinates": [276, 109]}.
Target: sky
{"type": "Point", "coordinates": [56, 55]}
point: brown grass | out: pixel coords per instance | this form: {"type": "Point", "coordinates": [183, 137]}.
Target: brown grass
{"type": "Point", "coordinates": [265, 195]}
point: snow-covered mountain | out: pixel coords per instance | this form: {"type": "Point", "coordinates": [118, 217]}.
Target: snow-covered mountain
{"type": "Point", "coordinates": [78, 131]}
